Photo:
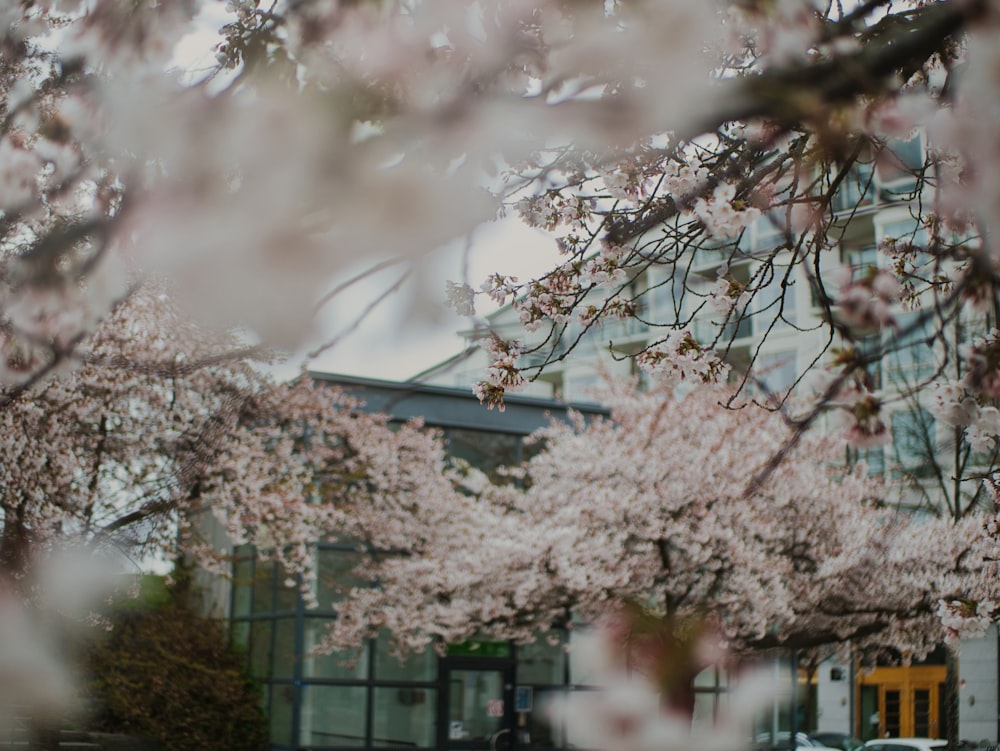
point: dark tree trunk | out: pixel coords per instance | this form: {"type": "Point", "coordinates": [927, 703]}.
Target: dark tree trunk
{"type": "Point", "coordinates": [951, 698]}
{"type": "Point", "coordinates": [15, 547]}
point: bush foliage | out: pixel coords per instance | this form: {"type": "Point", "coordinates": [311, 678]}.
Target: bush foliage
{"type": "Point", "coordinates": [168, 674]}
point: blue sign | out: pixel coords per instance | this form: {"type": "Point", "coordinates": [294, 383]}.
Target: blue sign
{"type": "Point", "coordinates": [523, 699]}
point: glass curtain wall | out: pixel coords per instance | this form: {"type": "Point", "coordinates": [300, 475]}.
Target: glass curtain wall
{"type": "Point", "coordinates": [368, 699]}
{"type": "Point", "coordinates": [359, 699]}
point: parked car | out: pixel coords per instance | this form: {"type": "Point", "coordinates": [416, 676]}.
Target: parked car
{"type": "Point", "coordinates": [782, 741]}
{"type": "Point", "coordinates": [841, 741]}
{"type": "Point", "coordinates": [905, 744]}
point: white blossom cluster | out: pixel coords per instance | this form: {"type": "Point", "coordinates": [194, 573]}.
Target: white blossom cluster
{"type": "Point", "coordinates": [968, 402]}
{"type": "Point", "coordinates": [681, 358]}
{"type": "Point", "coordinates": [503, 374]}
{"type": "Point", "coordinates": [966, 620]}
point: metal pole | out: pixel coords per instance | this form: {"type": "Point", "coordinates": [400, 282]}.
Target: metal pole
{"type": "Point", "coordinates": [795, 698]}
{"type": "Point", "coordinates": [852, 696]}
{"type": "Point", "coordinates": [776, 712]}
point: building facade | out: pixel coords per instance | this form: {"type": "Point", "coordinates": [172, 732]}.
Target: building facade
{"type": "Point", "coordinates": [476, 695]}
{"type": "Point", "coordinates": [771, 347]}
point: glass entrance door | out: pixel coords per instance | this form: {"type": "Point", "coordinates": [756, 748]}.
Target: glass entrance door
{"type": "Point", "coordinates": [478, 711]}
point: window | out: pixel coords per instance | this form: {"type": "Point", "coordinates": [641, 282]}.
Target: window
{"type": "Point", "coordinates": [404, 717]}
{"type": "Point", "coordinates": [545, 727]}
{"type": "Point", "coordinates": [286, 599]}
{"type": "Point", "coordinates": [580, 387]}
{"type": "Point", "coordinates": [333, 715]}
{"type": "Point", "coordinates": [866, 347]}
{"type": "Point", "coordinates": [345, 665]}
{"type": "Point", "coordinates": [260, 648]}
{"type": "Point", "coordinates": [771, 302]}
{"type": "Point", "coordinates": [861, 260]}
{"type": "Point", "coordinates": [769, 232]}
{"type": "Point", "coordinates": [777, 371]}
{"type": "Point", "coordinates": [418, 666]}
{"type": "Point", "coordinates": [913, 441]}
{"type": "Point", "coordinates": [285, 648]}
{"type": "Point", "coordinates": [909, 354]}
{"type": "Point", "coordinates": [666, 295]}
{"type": "Point", "coordinates": [903, 229]}
{"type": "Point", "coordinates": [541, 662]}
{"type": "Point", "coordinates": [335, 574]}
{"type": "Point", "coordinates": [281, 712]}
{"type": "Point", "coordinates": [242, 587]}
{"type": "Point", "coordinates": [710, 687]}
{"type": "Point", "coordinates": [874, 458]}
{"type": "Point", "coordinates": [897, 166]}
{"type": "Point", "coordinates": [856, 188]}
{"type": "Point", "coordinates": [484, 451]}
{"type": "Point", "coordinates": [263, 587]}
{"type": "Point", "coordinates": [239, 633]}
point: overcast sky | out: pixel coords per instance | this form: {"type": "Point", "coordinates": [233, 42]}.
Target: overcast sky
{"type": "Point", "coordinates": [412, 329]}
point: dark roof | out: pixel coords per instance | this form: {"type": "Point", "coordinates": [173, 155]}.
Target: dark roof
{"type": "Point", "coordinates": [454, 408]}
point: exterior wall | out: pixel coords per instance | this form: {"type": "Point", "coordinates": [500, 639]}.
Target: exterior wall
{"type": "Point", "coordinates": [977, 705]}
{"type": "Point", "coordinates": [835, 697]}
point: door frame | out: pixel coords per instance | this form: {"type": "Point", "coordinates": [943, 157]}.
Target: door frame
{"type": "Point", "coordinates": [505, 666]}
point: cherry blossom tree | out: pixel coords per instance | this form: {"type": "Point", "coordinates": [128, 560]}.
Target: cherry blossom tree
{"type": "Point", "coordinates": [611, 511]}
{"type": "Point", "coordinates": [161, 421]}
{"type": "Point", "coordinates": [679, 568]}
{"type": "Point", "coordinates": [155, 436]}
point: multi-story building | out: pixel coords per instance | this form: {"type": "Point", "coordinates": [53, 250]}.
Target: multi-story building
{"type": "Point", "coordinates": [483, 693]}
{"type": "Point", "coordinates": [776, 342]}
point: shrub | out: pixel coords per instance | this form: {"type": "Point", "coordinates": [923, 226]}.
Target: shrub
{"type": "Point", "coordinates": [166, 673]}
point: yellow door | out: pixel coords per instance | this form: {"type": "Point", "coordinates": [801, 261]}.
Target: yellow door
{"type": "Point", "coordinates": [907, 702]}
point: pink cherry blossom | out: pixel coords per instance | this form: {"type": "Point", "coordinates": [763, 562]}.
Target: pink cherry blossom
{"type": "Point", "coordinates": [611, 511]}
